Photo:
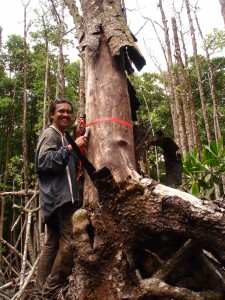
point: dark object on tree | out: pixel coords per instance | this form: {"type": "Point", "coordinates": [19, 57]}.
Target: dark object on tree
{"type": "Point", "coordinates": [92, 172]}
{"type": "Point", "coordinates": [172, 157]}
{"type": "Point", "coordinates": [134, 102]}
{"type": "Point", "coordinates": [136, 57]}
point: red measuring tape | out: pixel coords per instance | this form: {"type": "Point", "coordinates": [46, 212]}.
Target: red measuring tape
{"type": "Point", "coordinates": [110, 119]}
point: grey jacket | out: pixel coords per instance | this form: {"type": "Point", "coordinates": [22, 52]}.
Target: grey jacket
{"type": "Point", "coordinates": [51, 161]}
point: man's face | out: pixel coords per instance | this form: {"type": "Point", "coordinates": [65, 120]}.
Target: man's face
{"type": "Point", "coordinates": [62, 116]}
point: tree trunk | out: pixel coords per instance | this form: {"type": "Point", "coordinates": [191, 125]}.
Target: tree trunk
{"type": "Point", "coordinates": [111, 143]}
{"type": "Point", "coordinates": [2, 218]}
{"type": "Point", "coordinates": [197, 142]}
{"type": "Point", "coordinates": [198, 69]}
{"type": "Point", "coordinates": [169, 86]}
{"type": "Point", "coordinates": [24, 137]}
{"type": "Point", "coordinates": [222, 3]}
{"type": "Point", "coordinates": [179, 115]}
{"type": "Point", "coordinates": [60, 79]}
{"type": "Point", "coordinates": [47, 79]}
{"type": "Point", "coordinates": [79, 33]}
{"type": "Point", "coordinates": [182, 88]}
{"type": "Point", "coordinates": [1, 39]}
{"type": "Point", "coordinates": [212, 86]}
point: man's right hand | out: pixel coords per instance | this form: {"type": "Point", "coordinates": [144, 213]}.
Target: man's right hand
{"type": "Point", "coordinates": [81, 141]}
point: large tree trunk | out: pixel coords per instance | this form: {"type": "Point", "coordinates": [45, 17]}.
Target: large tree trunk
{"type": "Point", "coordinates": [111, 143]}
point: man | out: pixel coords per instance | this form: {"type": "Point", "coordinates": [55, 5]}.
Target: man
{"type": "Point", "coordinates": [172, 157]}
{"type": "Point", "coordinates": [59, 198]}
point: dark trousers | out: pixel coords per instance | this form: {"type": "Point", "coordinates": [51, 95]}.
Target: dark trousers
{"type": "Point", "coordinates": [56, 260]}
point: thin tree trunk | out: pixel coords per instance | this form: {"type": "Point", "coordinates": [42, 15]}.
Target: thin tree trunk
{"type": "Point", "coordinates": [198, 70]}
{"type": "Point", "coordinates": [78, 21]}
{"type": "Point", "coordinates": [1, 29]}
{"type": "Point", "coordinates": [212, 85]}
{"type": "Point", "coordinates": [2, 218]}
{"type": "Point", "coordinates": [60, 78]}
{"type": "Point", "coordinates": [182, 87]}
{"type": "Point", "coordinates": [222, 3]}
{"type": "Point", "coordinates": [24, 136]}
{"type": "Point", "coordinates": [47, 81]}
{"type": "Point", "coordinates": [172, 86]}
{"type": "Point", "coordinates": [171, 98]}
{"type": "Point", "coordinates": [197, 142]}
{"type": "Point", "coordinates": [79, 33]}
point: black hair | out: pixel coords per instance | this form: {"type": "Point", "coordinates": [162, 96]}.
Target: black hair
{"type": "Point", "coordinates": [53, 106]}
{"type": "Point", "coordinates": [159, 133]}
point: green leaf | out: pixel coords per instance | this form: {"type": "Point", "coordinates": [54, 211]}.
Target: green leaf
{"type": "Point", "coordinates": [207, 177]}
{"type": "Point", "coordinates": [220, 145]}
{"type": "Point", "coordinates": [195, 188]}
{"type": "Point", "coordinates": [209, 192]}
